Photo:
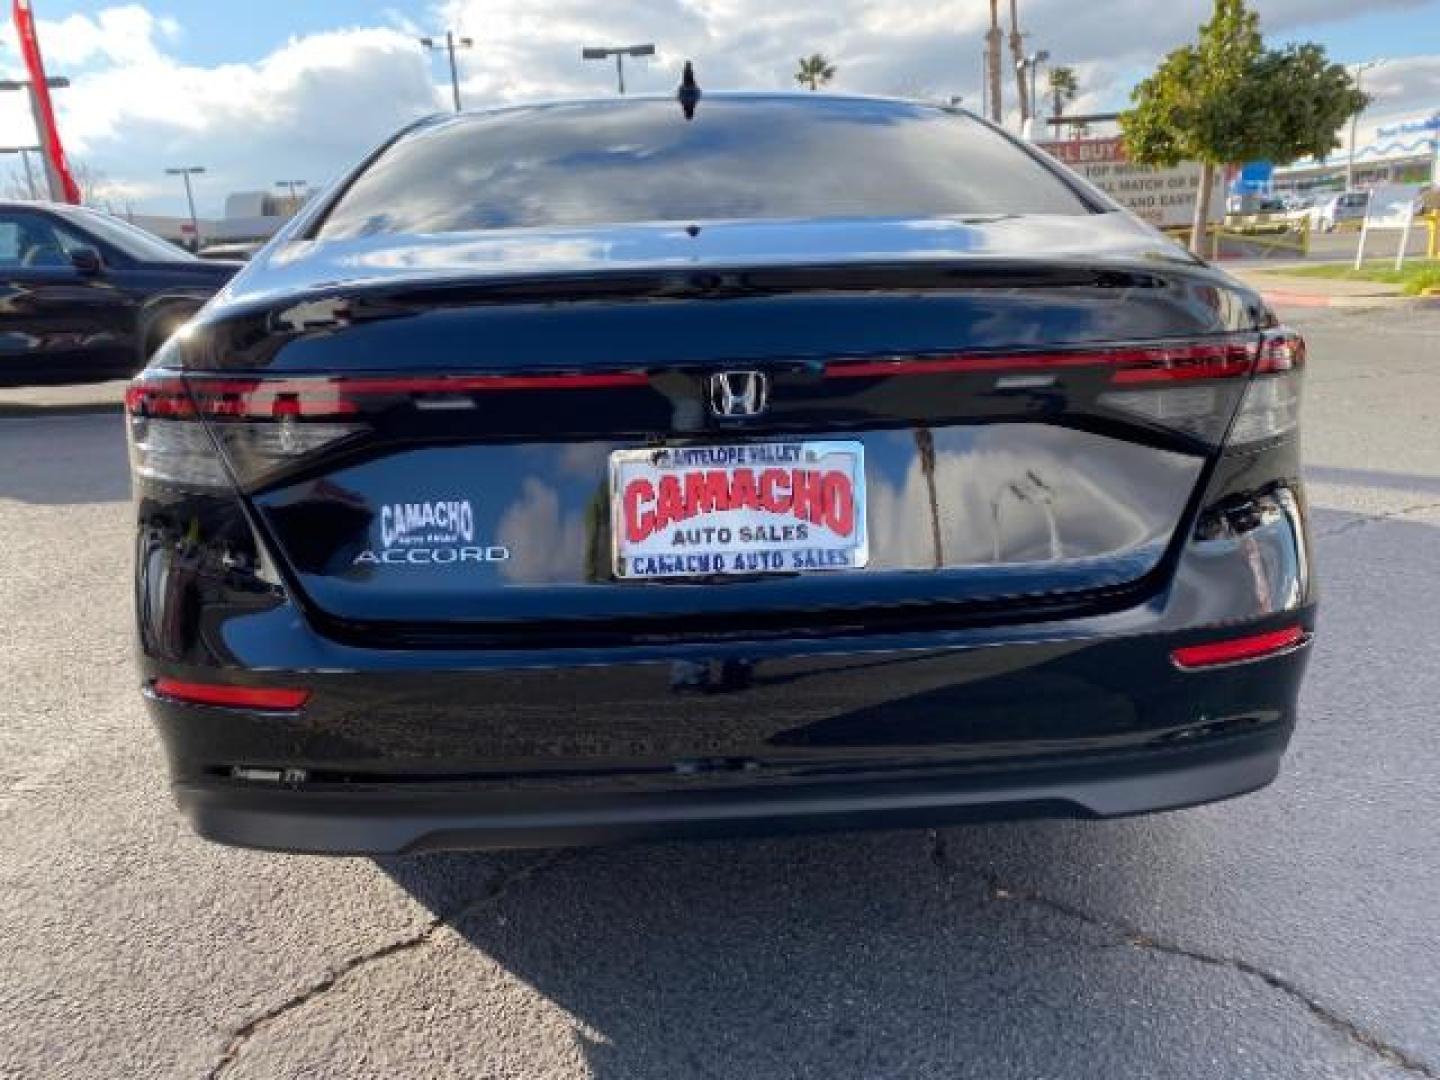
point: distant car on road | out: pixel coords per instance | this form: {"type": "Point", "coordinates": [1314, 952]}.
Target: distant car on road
{"type": "Point", "coordinates": [86, 297]}
{"type": "Point", "coordinates": [1338, 209]}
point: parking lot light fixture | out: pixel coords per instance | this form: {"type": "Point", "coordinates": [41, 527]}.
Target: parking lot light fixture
{"type": "Point", "coordinates": [452, 42]}
{"type": "Point", "coordinates": [296, 190]}
{"type": "Point", "coordinates": [1360, 70]}
{"type": "Point", "coordinates": [1031, 63]}
{"type": "Point", "coordinates": [52, 177]}
{"type": "Point", "coordinates": [185, 172]}
{"type": "Point", "coordinates": [619, 52]}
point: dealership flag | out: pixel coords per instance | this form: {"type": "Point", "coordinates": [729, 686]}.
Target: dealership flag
{"type": "Point", "coordinates": [49, 135]}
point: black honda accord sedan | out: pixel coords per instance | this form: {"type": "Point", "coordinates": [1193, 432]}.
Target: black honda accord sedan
{"type": "Point", "coordinates": [86, 297]}
{"type": "Point", "coordinates": [614, 469]}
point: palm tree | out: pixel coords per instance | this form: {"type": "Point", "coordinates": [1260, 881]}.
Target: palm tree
{"type": "Point", "coordinates": [815, 71]}
{"type": "Point", "coordinates": [1064, 88]}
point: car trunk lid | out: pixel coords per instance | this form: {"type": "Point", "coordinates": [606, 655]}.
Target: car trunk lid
{"type": "Point", "coordinates": [439, 455]}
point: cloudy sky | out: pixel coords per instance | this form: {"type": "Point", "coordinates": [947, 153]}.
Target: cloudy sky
{"type": "Point", "coordinates": [265, 90]}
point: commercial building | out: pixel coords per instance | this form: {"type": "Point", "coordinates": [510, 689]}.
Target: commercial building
{"type": "Point", "coordinates": [1399, 150]}
{"type": "Point", "coordinates": [249, 216]}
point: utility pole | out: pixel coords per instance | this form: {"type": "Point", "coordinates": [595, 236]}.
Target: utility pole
{"type": "Point", "coordinates": [993, 37]}
{"type": "Point", "coordinates": [604, 52]}
{"type": "Point", "coordinates": [52, 178]}
{"type": "Point", "coordinates": [451, 44]}
{"type": "Point", "coordinates": [185, 172]}
{"type": "Point", "coordinates": [1360, 70]}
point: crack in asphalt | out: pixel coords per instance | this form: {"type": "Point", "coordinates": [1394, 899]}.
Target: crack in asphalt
{"type": "Point", "coordinates": [1363, 520]}
{"type": "Point", "coordinates": [332, 978]}
{"type": "Point", "coordinates": [1129, 935]}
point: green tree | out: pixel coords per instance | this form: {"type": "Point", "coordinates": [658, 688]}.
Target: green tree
{"type": "Point", "coordinates": [1064, 88]}
{"type": "Point", "coordinates": [1228, 99]}
{"type": "Point", "coordinates": [814, 71]}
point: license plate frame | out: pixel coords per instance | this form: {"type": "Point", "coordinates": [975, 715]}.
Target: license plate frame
{"type": "Point", "coordinates": [792, 540]}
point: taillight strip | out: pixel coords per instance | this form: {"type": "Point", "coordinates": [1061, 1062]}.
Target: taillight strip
{"type": "Point", "coordinates": [345, 396]}
{"type": "Point", "coordinates": [1140, 364]}
{"type": "Point", "coordinates": [312, 397]}
{"type": "Point", "coordinates": [484, 383]}
{"type": "Point", "coordinates": [162, 396]}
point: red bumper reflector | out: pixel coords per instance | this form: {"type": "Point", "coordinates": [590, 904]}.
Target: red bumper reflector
{"type": "Point", "coordinates": [1235, 649]}
{"type": "Point", "coordinates": [234, 697]}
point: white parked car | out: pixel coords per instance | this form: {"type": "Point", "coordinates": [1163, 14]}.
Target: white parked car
{"type": "Point", "coordinates": [1337, 209]}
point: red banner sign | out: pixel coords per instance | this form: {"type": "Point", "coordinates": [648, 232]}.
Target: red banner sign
{"type": "Point", "coordinates": [44, 111]}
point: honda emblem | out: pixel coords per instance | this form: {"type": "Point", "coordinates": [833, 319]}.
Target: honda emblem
{"type": "Point", "coordinates": [736, 395]}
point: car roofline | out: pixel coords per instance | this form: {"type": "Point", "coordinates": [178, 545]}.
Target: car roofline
{"type": "Point", "coordinates": [797, 96]}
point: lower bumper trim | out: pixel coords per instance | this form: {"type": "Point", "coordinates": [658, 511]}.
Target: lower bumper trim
{"type": "Point", "coordinates": [374, 823]}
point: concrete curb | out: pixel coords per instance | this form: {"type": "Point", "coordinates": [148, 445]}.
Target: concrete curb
{"type": "Point", "coordinates": [62, 399]}
{"type": "Point", "coordinates": [1280, 298]}
{"type": "Point", "coordinates": [46, 412]}
{"type": "Point", "coordinates": [11, 410]}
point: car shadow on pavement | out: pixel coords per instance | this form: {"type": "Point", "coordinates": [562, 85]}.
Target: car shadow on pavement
{"type": "Point", "coordinates": [1222, 940]}
{"type": "Point", "coordinates": [860, 954]}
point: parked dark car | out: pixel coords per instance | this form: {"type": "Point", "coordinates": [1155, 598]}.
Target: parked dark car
{"type": "Point", "coordinates": [86, 297]}
{"type": "Point", "coordinates": [615, 469]}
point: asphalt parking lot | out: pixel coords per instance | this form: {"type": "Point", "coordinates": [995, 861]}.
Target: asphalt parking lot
{"type": "Point", "coordinates": [1291, 933]}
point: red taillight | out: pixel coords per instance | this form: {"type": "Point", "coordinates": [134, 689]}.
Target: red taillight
{"type": "Point", "coordinates": [1280, 350]}
{"type": "Point", "coordinates": [1233, 650]}
{"type": "Point", "coordinates": [159, 396]}
{"type": "Point", "coordinates": [264, 426]}
{"type": "Point", "coordinates": [229, 696]}
{"type": "Point", "coordinates": [1131, 364]}
{"type": "Point", "coordinates": [1187, 363]}
{"type": "Point", "coordinates": [344, 397]}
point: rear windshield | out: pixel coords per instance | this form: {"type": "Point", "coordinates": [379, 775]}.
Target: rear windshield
{"type": "Point", "coordinates": [758, 158]}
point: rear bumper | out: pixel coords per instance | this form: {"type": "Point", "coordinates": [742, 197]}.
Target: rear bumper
{"type": "Point", "coordinates": [376, 822]}
{"type": "Point", "coordinates": [408, 749]}
{"type": "Point", "coordinates": [796, 736]}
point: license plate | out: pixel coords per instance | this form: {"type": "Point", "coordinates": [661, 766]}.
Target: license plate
{"type": "Point", "coordinates": [754, 508]}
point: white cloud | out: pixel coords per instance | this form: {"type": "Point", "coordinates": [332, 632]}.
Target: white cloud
{"type": "Point", "coordinates": [306, 110]}
{"type": "Point", "coordinates": [316, 103]}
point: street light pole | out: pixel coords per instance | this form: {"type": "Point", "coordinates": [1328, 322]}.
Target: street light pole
{"type": "Point", "coordinates": [52, 177]}
{"type": "Point", "coordinates": [24, 152]}
{"type": "Point", "coordinates": [293, 186]}
{"type": "Point", "coordinates": [1033, 62]}
{"type": "Point", "coordinates": [598, 52]}
{"type": "Point", "coordinates": [451, 44]}
{"type": "Point", "coordinates": [1360, 70]}
{"type": "Point", "coordinates": [29, 174]}
{"type": "Point", "coordinates": [185, 172]}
